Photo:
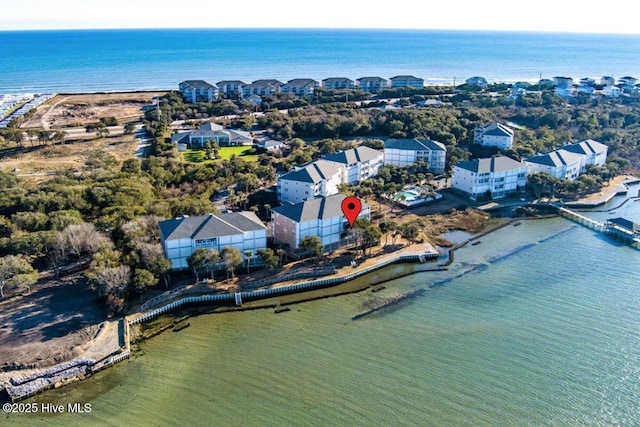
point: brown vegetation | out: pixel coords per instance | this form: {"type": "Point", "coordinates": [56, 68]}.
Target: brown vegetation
{"type": "Point", "coordinates": [79, 110]}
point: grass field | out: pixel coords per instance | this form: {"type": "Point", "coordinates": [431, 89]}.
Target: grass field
{"type": "Point", "coordinates": [195, 155]}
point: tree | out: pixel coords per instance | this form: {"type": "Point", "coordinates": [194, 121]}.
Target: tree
{"type": "Point", "coordinates": [197, 261]}
{"type": "Point", "coordinates": [152, 258]}
{"type": "Point", "coordinates": [142, 279]}
{"type": "Point", "coordinates": [268, 257]}
{"type": "Point", "coordinates": [313, 245]}
{"type": "Point", "coordinates": [82, 238]}
{"type": "Point", "coordinates": [129, 128]}
{"type": "Point", "coordinates": [388, 227]}
{"type": "Point", "coordinates": [281, 253]}
{"type": "Point", "coordinates": [131, 166]}
{"type": "Point", "coordinates": [59, 136]}
{"type": "Point", "coordinates": [232, 259]}
{"type": "Point", "coordinates": [15, 271]}
{"type": "Point", "coordinates": [372, 235]}
{"type": "Point", "coordinates": [247, 256]}
{"type": "Point", "coordinates": [212, 261]}
{"type": "Point", "coordinates": [99, 128]}
{"type": "Point", "coordinates": [410, 231]}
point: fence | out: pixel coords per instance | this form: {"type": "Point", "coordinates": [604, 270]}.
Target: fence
{"type": "Point", "coordinates": [42, 382]}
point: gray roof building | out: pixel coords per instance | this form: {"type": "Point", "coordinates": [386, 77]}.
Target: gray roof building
{"type": "Point", "coordinates": [313, 172]}
{"type": "Point", "coordinates": [556, 158]}
{"type": "Point", "coordinates": [209, 225]}
{"type": "Point", "coordinates": [321, 208]}
{"type": "Point", "coordinates": [414, 144]}
{"type": "Point", "coordinates": [196, 84]}
{"type": "Point", "coordinates": [493, 164]}
{"type": "Point", "coordinates": [586, 147]}
{"type": "Point", "coordinates": [353, 155]}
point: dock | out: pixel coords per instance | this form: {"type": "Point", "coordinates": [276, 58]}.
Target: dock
{"type": "Point", "coordinates": [618, 228]}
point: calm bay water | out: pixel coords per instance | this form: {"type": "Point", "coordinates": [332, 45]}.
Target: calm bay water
{"type": "Point", "coordinates": [537, 326]}
{"type": "Point", "coordinates": [108, 60]}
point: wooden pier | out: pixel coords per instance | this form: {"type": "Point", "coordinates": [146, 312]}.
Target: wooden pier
{"type": "Point", "coordinates": [583, 220]}
{"type": "Point", "coordinates": [610, 228]}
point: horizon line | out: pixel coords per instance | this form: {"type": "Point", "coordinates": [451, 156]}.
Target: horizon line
{"type": "Point", "coordinates": [484, 30]}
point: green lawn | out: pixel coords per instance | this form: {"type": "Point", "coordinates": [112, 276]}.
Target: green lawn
{"type": "Point", "coordinates": [196, 155]}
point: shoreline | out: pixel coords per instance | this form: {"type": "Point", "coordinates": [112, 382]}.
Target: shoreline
{"type": "Point", "coordinates": [132, 330]}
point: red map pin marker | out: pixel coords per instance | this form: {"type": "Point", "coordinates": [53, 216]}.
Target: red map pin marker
{"type": "Point", "coordinates": [351, 207]}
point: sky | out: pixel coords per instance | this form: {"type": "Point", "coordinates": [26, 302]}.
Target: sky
{"type": "Point", "coordinates": [502, 15]}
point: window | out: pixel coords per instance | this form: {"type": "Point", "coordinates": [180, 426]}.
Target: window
{"type": "Point", "coordinates": [205, 243]}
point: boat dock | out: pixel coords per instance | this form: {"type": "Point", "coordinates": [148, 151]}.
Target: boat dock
{"type": "Point", "coordinates": [619, 228]}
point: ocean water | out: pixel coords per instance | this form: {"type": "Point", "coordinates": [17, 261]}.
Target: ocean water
{"type": "Point", "coordinates": [109, 60]}
{"type": "Point", "coordinates": [539, 325]}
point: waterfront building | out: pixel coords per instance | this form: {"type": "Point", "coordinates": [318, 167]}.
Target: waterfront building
{"type": "Point", "coordinates": [212, 132]}
{"type": "Point", "coordinates": [198, 91]}
{"type": "Point", "coordinates": [407, 81]}
{"type": "Point", "coordinates": [492, 178]}
{"type": "Point", "coordinates": [494, 135]}
{"type": "Point", "coordinates": [593, 152]}
{"type": "Point", "coordinates": [338, 83]}
{"type": "Point", "coordinates": [358, 163]}
{"type": "Point", "coordinates": [300, 87]}
{"type": "Point", "coordinates": [477, 81]}
{"type": "Point", "coordinates": [319, 178]}
{"type": "Point", "coordinates": [261, 88]}
{"type": "Point", "coordinates": [569, 161]}
{"type": "Point", "coordinates": [231, 89]}
{"type": "Point", "coordinates": [182, 235]}
{"type": "Point", "coordinates": [372, 84]}
{"type": "Point", "coordinates": [403, 152]}
{"type": "Point", "coordinates": [558, 163]}
{"type": "Point", "coordinates": [320, 217]}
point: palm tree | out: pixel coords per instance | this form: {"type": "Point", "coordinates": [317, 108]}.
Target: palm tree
{"type": "Point", "coordinates": [281, 253]}
{"type": "Point", "coordinates": [247, 256]}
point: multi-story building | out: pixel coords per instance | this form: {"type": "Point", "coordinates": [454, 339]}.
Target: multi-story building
{"type": "Point", "coordinates": [403, 152]}
{"type": "Point", "coordinates": [338, 83]}
{"type": "Point", "coordinates": [494, 135]}
{"type": "Point", "coordinates": [558, 163]}
{"type": "Point", "coordinates": [300, 87]}
{"type": "Point", "coordinates": [198, 91]}
{"type": "Point", "coordinates": [372, 84]}
{"type": "Point", "coordinates": [492, 178]}
{"type": "Point", "coordinates": [569, 161]}
{"type": "Point", "coordinates": [181, 236]}
{"type": "Point", "coordinates": [231, 89]}
{"type": "Point", "coordinates": [320, 217]}
{"type": "Point", "coordinates": [261, 88]}
{"type": "Point", "coordinates": [358, 163]}
{"type": "Point", "coordinates": [319, 178]}
{"type": "Point", "coordinates": [407, 81]}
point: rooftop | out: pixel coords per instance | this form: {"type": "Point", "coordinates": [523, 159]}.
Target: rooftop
{"type": "Point", "coordinates": [354, 155]}
{"type": "Point", "coordinates": [209, 225]}
{"type": "Point", "coordinates": [414, 144]}
{"type": "Point", "coordinates": [556, 158]}
{"type": "Point", "coordinates": [197, 84]}
{"type": "Point", "coordinates": [313, 172]}
{"type": "Point", "coordinates": [322, 208]}
{"type": "Point", "coordinates": [493, 164]}
{"type": "Point", "coordinates": [497, 129]}
{"type": "Point", "coordinates": [588, 146]}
